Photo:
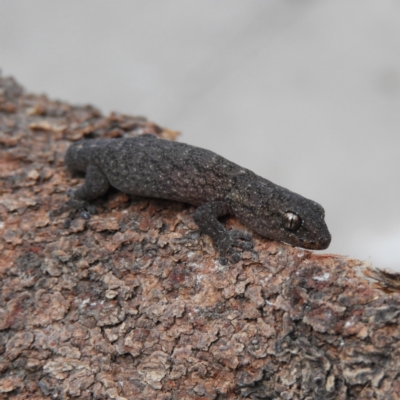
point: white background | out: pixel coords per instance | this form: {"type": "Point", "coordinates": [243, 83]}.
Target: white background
{"type": "Point", "coordinates": [305, 93]}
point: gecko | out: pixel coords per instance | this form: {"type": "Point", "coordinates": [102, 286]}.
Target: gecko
{"type": "Point", "coordinates": [152, 167]}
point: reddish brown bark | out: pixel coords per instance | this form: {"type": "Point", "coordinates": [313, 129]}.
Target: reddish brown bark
{"type": "Point", "coordinates": [133, 304]}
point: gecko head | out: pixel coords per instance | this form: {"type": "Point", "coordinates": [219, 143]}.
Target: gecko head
{"type": "Point", "coordinates": [279, 214]}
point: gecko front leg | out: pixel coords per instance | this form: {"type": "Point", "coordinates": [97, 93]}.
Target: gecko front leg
{"type": "Point", "coordinates": [226, 241]}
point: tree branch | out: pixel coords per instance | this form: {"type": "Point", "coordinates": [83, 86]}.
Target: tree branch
{"type": "Point", "coordinates": [133, 304]}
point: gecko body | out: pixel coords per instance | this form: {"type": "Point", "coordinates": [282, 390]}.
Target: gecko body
{"type": "Point", "coordinates": [152, 167]}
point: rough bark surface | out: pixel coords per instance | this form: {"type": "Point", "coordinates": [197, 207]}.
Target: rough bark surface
{"type": "Point", "coordinates": [133, 304]}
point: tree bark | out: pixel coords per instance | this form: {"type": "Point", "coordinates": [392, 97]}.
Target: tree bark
{"type": "Point", "coordinates": [133, 303]}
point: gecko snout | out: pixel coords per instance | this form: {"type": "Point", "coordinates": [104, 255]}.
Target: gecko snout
{"type": "Point", "coordinates": [321, 243]}
{"type": "Point", "coordinates": [325, 242]}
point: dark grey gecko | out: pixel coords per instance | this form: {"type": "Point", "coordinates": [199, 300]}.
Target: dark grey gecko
{"type": "Point", "coordinates": [152, 167]}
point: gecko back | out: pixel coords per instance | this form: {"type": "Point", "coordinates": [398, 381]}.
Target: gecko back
{"type": "Point", "coordinates": [151, 167]}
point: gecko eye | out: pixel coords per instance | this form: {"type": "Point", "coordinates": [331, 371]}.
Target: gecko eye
{"type": "Point", "coordinates": [291, 221]}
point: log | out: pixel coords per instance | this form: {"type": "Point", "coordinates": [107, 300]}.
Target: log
{"type": "Point", "coordinates": [134, 304]}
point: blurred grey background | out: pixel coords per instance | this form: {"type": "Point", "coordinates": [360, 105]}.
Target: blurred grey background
{"type": "Point", "coordinates": [305, 93]}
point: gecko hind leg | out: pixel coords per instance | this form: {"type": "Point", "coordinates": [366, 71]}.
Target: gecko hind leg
{"type": "Point", "coordinates": [96, 184]}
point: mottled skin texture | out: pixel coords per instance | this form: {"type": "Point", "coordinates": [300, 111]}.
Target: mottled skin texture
{"type": "Point", "coordinates": [152, 167]}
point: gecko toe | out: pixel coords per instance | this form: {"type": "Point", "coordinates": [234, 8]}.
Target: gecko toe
{"type": "Point", "coordinates": [244, 245]}
{"type": "Point", "coordinates": [233, 257]}
{"type": "Point", "coordinates": [223, 261]}
{"type": "Point", "coordinates": [240, 239]}
{"type": "Point", "coordinates": [87, 210]}
{"type": "Point", "coordinates": [90, 209]}
{"type": "Point", "coordinates": [85, 215]}
{"type": "Point", "coordinates": [237, 234]}
{"type": "Point", "coordinates": [67, 223]}
{"type": "Point", "coordinates": [236, 257]}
